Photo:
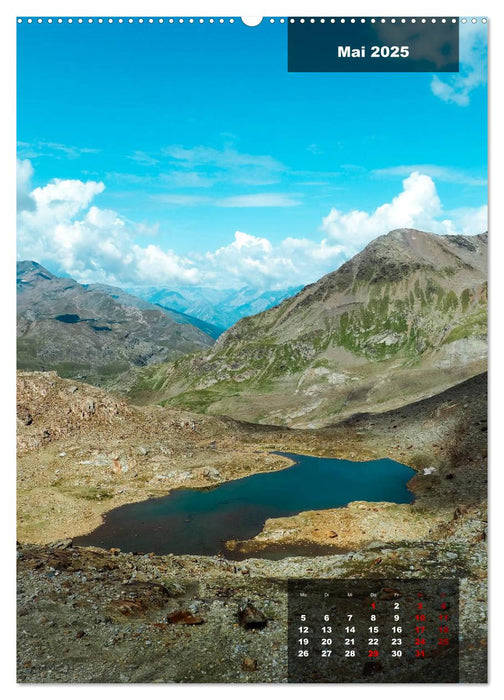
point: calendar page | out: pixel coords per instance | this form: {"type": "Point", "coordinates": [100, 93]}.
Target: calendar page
{"type": "Point", "coordinates": [251, 349]}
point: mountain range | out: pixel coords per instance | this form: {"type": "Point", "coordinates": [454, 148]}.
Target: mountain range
{"type": "Point", "coordinates": [402, 320]}
{"type": "Point", "coordinates": [220, 307]}
{"type": "Point", "coordinates": [94, 332]}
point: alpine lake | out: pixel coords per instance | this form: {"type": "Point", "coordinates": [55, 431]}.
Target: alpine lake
{"type": "Point", "coordinates": [201, 521]}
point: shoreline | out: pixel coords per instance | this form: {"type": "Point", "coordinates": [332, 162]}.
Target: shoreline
{"type": "Point", "coordinates": [118, 454]}
{"type": "Point", "coordinates": [297, 530]}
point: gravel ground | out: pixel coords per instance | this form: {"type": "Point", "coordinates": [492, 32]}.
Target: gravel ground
{"type": "Point", "coordinates": [92, 616]}
{"type": "Point", "coordinates": [84, 614]}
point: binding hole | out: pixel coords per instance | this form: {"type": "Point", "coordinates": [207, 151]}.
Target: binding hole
{"type": "Point", "coordinates": [252, 21]}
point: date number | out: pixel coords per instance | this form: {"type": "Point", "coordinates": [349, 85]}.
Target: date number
{"type": "Point", "coordinates": [389, 51]}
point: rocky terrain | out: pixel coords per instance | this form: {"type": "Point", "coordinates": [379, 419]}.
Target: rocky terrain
{"type": "Point", "coordinates": [385, 357]}
{"type": "Point", "coordinates": [96, 333]}
{"type": "Point", "coordinates": [443, 438]}
{"type": "Point", "coordinates": [83, 451]}
{"type": "Point", "coordinates": [84, 613]}
{"type": "Point", "coordinates": [404, 319]}
{"type": "Point", "coordinates": [94, 616]}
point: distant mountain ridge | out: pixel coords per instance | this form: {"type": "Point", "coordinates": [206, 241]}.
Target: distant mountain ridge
{"type": "Point", "coordinates": [220, 307]}
{"type": "Point", "coordinates": [95, 332]}
{"type": "Point", "coordinates": [402, 320]}
{"type": "Point", "coordinates": [128, 299]}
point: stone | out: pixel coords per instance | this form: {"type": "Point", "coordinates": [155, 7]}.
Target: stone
{"type": "Point", "coordinates": [24, 415]}
{"type": "Point", "coordinates": [249, 617]}
{"type": "Point", "coordinates": [459, 512]}
{"type": "Point", "coordinates": [184, 617]}
{"type": "Point", "coordinates": [249, 664]}
{"type": "Point", "coordinates": [128, 607]}
{"type": "Point", "coordinates": [66, 543]}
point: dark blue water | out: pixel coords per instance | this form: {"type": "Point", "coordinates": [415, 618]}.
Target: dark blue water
{"type": "Point", "coordinates": [200, 521]}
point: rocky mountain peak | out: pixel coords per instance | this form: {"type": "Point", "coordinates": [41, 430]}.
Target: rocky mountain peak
{"type": "Point", "coordinates": [96, 333]}
{"type": "Point", "coordinates": [28, 270]}
{"type": "Point", "coordinates": [406, 315]}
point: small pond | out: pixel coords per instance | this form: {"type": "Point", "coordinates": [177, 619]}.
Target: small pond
{"type": "Point", "coordinates": [200, 521]}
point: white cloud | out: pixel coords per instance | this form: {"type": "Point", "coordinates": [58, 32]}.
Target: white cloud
{"type": "Point", "coordinates": [245, 240]}
{"type": "Point", "coordinates": [65, 231]}
{"type": "Point", "coordinates": [417, 206]}
{"type": "Point", "coordinates": [254, 261]}
{"type": "Point", "coordinates": [226, 164]}
{"type": "Point", "coordinates": [143, 158]}
{"type": "Point", "coordinates": [267, 199]}
{"type": "Point", "coordinates": [456, 88]}
{"type": "Point", "coordinates": [69, 196]}
{"type": "Point", "coordinates": [60, 225]}
{"type": "Point", "coordinates": [182, 200]}
{"type": "Point", "coordinates": [152, 263]}
{"type": "Point", "coordinates": [53, 150]}
{"type": "Point", "coordinates": [471, 220]}
{"type": "Point", "coordinates": [226, 158]}
{"type": "Point", "coordinates": [24, 173]}
{"type": "Point", "coordinates": [440, 173]}
{"type": "Point", "coordinates": [186, 178]}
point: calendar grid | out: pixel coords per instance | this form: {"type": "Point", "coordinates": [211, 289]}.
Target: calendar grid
{"type": "Point", "coordinates": [373, 631]}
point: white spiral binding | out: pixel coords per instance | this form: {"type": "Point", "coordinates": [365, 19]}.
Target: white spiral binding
{"type": "Point", "coordinates": [232, 20]}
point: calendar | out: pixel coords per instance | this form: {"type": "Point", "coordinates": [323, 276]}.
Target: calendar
{"type": "Point", "coordinates": [251, 298]}
{"type": "Point", "coordinates": [373, 631]}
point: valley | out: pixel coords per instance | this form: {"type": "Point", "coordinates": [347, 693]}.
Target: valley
{"type": "Point", "coordinates": [251, 351]}
{"type": "Point", "coordinates": [383, 359]}
{"type": "Point", "coordinates": [83, 452]}
{"type": "Point", "coordinates": [403, 319]}
{"type": "Point", "coordinates": [83, 611]}
{"type": "Point", "coordinates": [220, 307]}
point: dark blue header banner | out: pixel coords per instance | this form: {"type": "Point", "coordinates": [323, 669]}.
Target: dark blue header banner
{"type": "Point", "coordinates": [365, 44]}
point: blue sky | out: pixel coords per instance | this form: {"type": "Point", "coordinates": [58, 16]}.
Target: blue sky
{"type": "Point", "coordinates": [186, 154]}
